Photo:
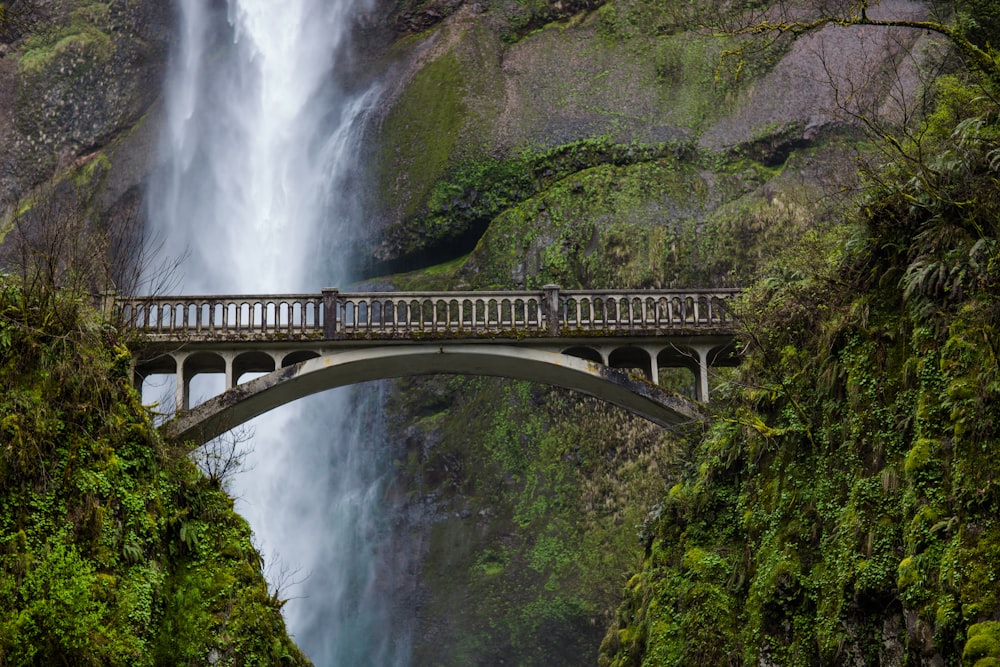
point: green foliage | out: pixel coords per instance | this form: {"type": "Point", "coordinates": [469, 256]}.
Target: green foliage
{"type": "Point", "coordinates": [537, 515]}
{"type": "Point", "coordinates": [114, 549]}
{"type": "Point", "coordinates": [979, 21]}
{"type": "Point", "coordinates": [79, 36]}
{"type": "Point", "coordinates": [855, 458]}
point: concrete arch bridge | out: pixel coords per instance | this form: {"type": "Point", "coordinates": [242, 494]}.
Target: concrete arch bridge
{"type": "Point", "coordinates": [587, 341]}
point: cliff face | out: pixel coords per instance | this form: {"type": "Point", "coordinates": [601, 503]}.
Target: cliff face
{"type": "Point", "coordinates": [598, 144]}
{"type": "Point", "coordinates": [492, 105]}
{"type": "Point", "coordinates": [595, 147]}
{"type": "Point", "coordinates": [75, 85]}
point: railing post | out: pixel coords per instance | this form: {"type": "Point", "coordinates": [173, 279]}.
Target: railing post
{"type": "Point", "coordinates": [552, 310]}
{"type": "Point", "coordinates": [330, 312]}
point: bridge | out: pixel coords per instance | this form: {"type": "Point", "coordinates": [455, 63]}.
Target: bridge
{"type": "Point", "coordinates": [606, 343]}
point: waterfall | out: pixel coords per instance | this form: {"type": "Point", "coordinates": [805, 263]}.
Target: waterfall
{"type": "Point", "coordinates": [260, 142]}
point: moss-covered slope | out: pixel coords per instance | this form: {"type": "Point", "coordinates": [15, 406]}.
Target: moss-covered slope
{"type": "Point", "coordinates": [114, 548]}
{"type": "Point", "coordinates": [844, 507]}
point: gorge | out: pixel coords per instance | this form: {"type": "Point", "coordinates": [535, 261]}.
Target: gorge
{"type": "Point", "coordinates": [839, 507]}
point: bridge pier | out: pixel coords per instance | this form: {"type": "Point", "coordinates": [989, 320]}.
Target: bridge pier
{"type": "Point", "coordinates": [654, 366]}
{"type": "Point", "coordinates": [701, 390]}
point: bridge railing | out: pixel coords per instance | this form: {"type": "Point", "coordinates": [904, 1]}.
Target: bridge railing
{"type": "Point", "coordinates": [645, 311]}
{"type": "Point", "coordinates": [439, 312]}
{"type": "Point", "coordinates": [224, 316]}
{"type": "Point", "coordinates": [334, 314]}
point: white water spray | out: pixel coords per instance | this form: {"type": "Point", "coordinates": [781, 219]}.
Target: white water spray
{"type": "Point", "coordinates": [259, 145]}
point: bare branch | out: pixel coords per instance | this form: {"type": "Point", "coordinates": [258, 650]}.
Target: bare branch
{"type": "Point", "coordinates": [785, 20]}
{"type": "Point", "coordinates": [220, 459]}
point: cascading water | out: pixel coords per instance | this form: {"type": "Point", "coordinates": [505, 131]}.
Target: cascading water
{"type": "Point", "coordinates": [259, 144]}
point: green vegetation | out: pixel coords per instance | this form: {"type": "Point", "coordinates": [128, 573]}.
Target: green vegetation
{"type": "Point", "coordinates": [114, 548]}
{"type": "Point", "coordinates": [475, 195]}
{"type": "Point", "coordinates": [843, 506]}
{"type": "Point", "coordinates": [80, 37]}
{"type": "Point", "coordinates": [598, 214]}
{"type": "Point", "coordinates": [538, 515]}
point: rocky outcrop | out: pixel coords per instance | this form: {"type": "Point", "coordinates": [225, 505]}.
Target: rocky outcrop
{"type": "Point", "coordinates": [77, 86]}
{"type": "Point", "coordinates": [469, 98]}
{"type": "Point", "coordinates": [605, 149]}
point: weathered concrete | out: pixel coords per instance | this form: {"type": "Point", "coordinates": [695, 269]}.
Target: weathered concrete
{"type": "Point", "coordinates": [306, 343]}
{"type": "Point", "coordinates": [244, 402]}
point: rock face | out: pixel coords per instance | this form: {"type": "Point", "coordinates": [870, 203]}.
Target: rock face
{"type": "Point", "coordinates": [77, 87]}
{"type": "Point", "coordinates": [473, 96]}
{"type": "Point", "coordinates": [604, 148]}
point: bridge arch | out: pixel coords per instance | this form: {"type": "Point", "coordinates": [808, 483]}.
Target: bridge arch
{"type": "Point", "coordinates": [339, 368]}
{"type": "Point", "coordinates": [632, 357]}
{"type": "Point", "coordinates": [252, 361]}
{"type": "Point", "coordinates": [297, 356]}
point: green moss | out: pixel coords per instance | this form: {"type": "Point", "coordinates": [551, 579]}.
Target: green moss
{"type": "Point", "coordinates": [114, 548]}
{"type": "Point", "coordinates": [81, 35]}
{"type": "Point", "coordinates": [420, 132]}
{"type": "Point", "coordinates": [601, 226]}
{"type": "Point", "coordinates": [686, 67]}
{"type": "Point", "coordinates": [982, 647]}
{"type": "Point", "coordinates": [918, 457]}
{"type": "Point", "coordinates": [94, 169]}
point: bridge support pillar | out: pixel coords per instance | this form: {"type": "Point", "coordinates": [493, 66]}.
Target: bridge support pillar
{"type": "Point", "coordinates": [330, 312]}
{"type": "Point", "coordinates": [702, 388]}
{"type": "Point", "coordinates": [183, 388]}
{"type": "Point", "coordinates": [654, 366]}
{"type": "Point", "coordinates": [230, 374]}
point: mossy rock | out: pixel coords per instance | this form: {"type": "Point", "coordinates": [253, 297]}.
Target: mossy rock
{"type": "Point", "coordinates": [982, 646]}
